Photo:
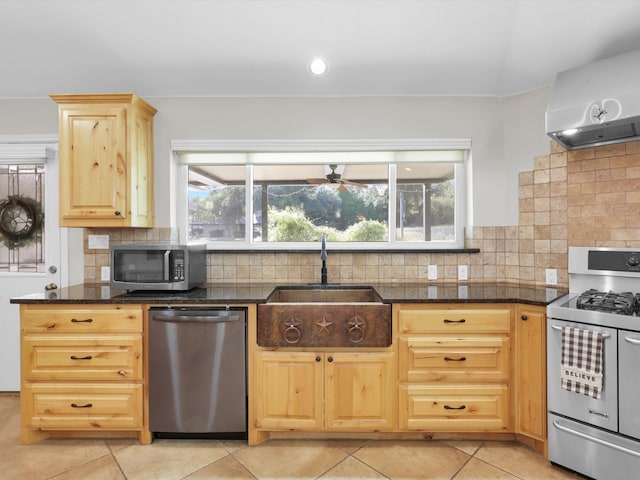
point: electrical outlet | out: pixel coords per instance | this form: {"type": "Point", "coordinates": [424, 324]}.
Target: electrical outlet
{"type": "Point", "coordinates": [462, 272]}
{"type": "Point", "coordinates": [432, 272]}
{"type": "Point", "coordinates": [551, 276]}
{"type": "Point", "coordinates": [105, 274]}
{"type": "Point", "coordinates": [99, 242]}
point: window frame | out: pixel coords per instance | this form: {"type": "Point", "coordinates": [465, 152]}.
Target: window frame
{"type": "Point", "coordinates": [462, 191]}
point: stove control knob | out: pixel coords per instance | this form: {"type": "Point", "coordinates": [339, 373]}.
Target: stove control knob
{"type": "Point", "coordinates": [633, 261]}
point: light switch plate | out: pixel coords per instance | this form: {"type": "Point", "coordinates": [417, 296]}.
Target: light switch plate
{"type": "Point", "coordinates": [551, 276]}
{"type": "Point", "coordinates": [432, 272]}
{"type": "Point", "coordinates": [463, 272]}
{"type": "Point", "coordinates": [99, 242]}
{"type": "Point", "coordinates": [433, 292]}
{"type": "Point", "coordinates": [105, 274]}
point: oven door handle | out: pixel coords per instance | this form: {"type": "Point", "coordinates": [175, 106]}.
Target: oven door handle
{"type": "Point", "coordinates": [594, 439]}
{"type": "Point", "coordinates": [558, 328]}
{"type": "Point", "coordinates": [632, 341]}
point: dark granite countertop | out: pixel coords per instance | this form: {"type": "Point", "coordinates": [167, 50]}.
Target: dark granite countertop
{"type": "Point", "coordinates": [232, 293]}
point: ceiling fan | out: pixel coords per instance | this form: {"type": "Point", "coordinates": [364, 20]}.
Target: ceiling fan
{"type": "Point", "coordinates": [334, 178]}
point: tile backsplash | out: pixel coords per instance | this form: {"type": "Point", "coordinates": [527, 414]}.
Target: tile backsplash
{"type": "Point", "coordinates": [588, 197]}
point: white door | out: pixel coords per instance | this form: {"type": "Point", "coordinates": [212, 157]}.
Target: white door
{"type": "Point", "coordinates": [30, 240]}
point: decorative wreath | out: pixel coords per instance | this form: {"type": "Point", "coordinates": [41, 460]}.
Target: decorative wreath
{"type": "Point", "coordinates": [20, 218]}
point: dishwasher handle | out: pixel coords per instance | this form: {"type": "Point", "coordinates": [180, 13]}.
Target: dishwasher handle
{"type": "Point", "coordinates": [208, 318]}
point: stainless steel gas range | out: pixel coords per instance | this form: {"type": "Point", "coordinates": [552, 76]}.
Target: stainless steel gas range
{"type": "Point", "coordinates": [593, 365]}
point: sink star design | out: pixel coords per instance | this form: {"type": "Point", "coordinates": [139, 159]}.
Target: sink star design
{"type": "Point", "coordinates": [356, 323]}
{"type": "Point", "coordinates": [324, 325]}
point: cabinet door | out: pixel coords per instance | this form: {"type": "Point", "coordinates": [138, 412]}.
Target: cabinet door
{"type": "Point", "coordinates": [530, 376]}
{"type": "Point", "coordinates": [93, 163]}
{"type": "Point", "coordinates": [480, 358]}
{"type": "Point", "coordinates": [289, 390]}
{"type": "Point", "coordinates": [49, 357]}
{"type": "Point", "coordinates": [360, 391]}
{"type": "Point", "coordinates": [81, 319]}
{"type": "Point", "coordinates": [82, 406]}
{"type": "Point", "coordinates": [454, 408]}
{"type": "Point", "coordinates": [454, 321]}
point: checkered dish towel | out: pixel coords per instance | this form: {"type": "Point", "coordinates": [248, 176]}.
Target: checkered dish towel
{"type": "Point", "coordinates": [582, 361]}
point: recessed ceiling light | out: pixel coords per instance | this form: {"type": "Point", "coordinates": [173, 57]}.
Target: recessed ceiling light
{"type": "Point", "coordinates": [317, 66]}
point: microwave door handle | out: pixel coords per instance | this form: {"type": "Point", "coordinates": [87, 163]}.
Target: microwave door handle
{"type": "Point", "coordinates": [167, 255]}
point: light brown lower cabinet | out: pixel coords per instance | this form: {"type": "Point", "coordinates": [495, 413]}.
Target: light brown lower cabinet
{"type": "Point", "coordinates": [318, 391]}
{"type": "Point", "coordinates": [531, 372]}
{"type": "Point", "coordinates": [81, 371]}
{"type": "Point", "coordinates": [454, 367]}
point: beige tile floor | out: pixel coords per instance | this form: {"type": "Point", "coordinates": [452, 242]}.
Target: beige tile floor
{"type": "Point", "coordinates": [276, 459]}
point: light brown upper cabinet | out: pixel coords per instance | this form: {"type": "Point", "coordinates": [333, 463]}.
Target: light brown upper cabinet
{"type": "Point", "coordinates": [106, 160]}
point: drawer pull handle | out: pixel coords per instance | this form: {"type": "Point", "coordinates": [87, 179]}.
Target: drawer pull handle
{"type": "Point", "coordinates": [86, 405]}
{"type": "Point", "coordinates": [122, 373]}
{"type": "Point", "coordinates": [73, 357]}
{"type": "Point", "coordinates": [461, 407]}
{"type": "Point", "coordinates": [86, 320]}
{"type": "Point", "coordinates": [449, 359]}
{"type": "Point", "coordinates": [462, 320]}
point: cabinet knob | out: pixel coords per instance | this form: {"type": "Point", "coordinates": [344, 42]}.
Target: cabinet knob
{"type": "Point", "coordinates": [117, 212]}
{"type": "Point", "coordinates": [524, 317]}
{"type": "Point", "coordinates": [330, 359]}
{"type": "Point", "coordinates": [122, 373]}
{"type": "Point", "coordinates": [318, 358]}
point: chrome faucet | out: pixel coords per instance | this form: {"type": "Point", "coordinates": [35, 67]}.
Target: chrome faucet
{"type": "Point", "coordinates": [323, 257]}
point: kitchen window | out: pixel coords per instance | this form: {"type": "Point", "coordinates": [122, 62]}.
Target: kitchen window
{"type": "Point", "coordinates": [285, 195]}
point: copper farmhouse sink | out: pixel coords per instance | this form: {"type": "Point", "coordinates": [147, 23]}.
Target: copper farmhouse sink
{"type": "Point", "coordinates": [324, 316]}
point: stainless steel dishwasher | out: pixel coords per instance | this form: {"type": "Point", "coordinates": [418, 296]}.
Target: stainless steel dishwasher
{"type": "Point", "coordinates": [197, 372]}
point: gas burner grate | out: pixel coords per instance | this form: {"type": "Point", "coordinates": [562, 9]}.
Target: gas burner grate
{"type": "Point", "coordinates": [624, 303]}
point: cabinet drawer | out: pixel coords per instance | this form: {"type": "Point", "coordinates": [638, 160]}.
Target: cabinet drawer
{"type": "Point", "coordinates": [83, 407]}
{"type": "Point", "coordinates": [82, 357]}
{"type": "Point", "coordinates": [454, 408]}
{"type": "Point", "coordinates": [89, 318]}
{"type": "Point", "coordinates": [445, 359]}
{"type": "Point", "coordinates": [454, 321]}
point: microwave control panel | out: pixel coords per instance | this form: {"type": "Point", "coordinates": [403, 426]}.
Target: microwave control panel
{"type": "Point", "coordinates": [178, 266]}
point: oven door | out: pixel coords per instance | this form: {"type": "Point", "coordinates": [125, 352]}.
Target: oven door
{"type": "Point", "coordinates": [629, 361]}
{"type": "Point", "coordinates": [602, 412]}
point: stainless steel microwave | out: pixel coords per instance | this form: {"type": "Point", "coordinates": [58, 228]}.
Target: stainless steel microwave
{"type": "Point", "coordinates": [159, 266]}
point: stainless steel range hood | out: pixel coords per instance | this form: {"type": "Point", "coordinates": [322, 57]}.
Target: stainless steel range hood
{"type": "Point", "coordinates": [597, 104]}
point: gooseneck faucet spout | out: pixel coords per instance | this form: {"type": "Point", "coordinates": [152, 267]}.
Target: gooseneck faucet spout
{"type": "Point", "coordinates": [323, 257]}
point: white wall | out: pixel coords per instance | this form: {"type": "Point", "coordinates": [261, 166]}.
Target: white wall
{"type": "Point", "coordinates": [524, 139]}
{"type": "Point", "coordinates": [506, 134]}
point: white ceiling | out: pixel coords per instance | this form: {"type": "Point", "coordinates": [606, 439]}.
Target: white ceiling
{"type": "Point", "coordinates": [261, 47]}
